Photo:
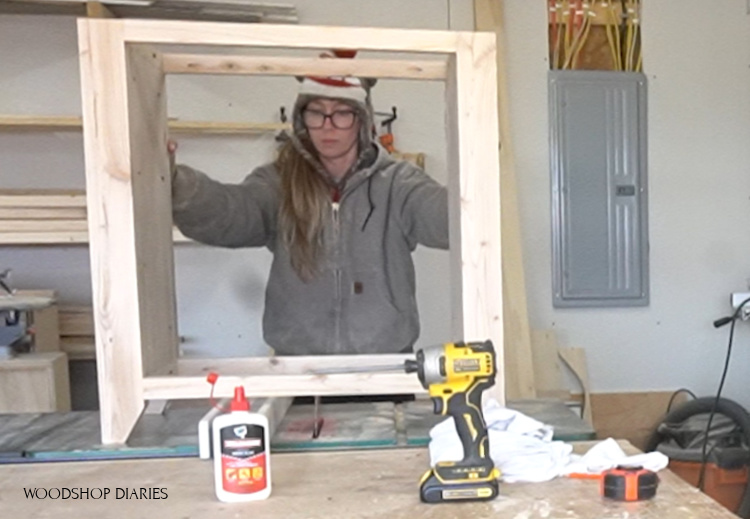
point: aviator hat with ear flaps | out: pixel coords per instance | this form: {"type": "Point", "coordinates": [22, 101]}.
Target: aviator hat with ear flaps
{"type": "Point", "coordinates": [354, 91]}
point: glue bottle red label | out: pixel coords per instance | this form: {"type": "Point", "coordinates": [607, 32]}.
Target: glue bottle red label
{"type": "Point", "coordinates": [241, 453]}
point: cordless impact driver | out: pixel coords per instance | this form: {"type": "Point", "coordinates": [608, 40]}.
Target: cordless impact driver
{"type": "Point", "coordinates": [456, 374]}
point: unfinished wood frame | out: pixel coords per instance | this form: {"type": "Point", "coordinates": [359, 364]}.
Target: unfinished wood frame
{"type": "Point", "coordinates": [129, 206]}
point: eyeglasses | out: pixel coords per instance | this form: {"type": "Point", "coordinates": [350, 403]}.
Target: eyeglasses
{"type": "Point", "coordinates": [340, 119]}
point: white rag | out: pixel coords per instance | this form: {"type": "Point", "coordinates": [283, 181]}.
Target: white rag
{"type": "Point", "coordinates": [522, 448]}
{"type": "Point", "coordinates": [607, 454]}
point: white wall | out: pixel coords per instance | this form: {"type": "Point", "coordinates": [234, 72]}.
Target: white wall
{"type": "Point", "coordinates": [220, 292]}
{"type": "Point", "coordinates": [696, 56]}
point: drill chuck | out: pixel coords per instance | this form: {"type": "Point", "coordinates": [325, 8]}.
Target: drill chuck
{"type": "Point", "coordinates": [431, 366]}
{"type": "Point", "coordinates": [411, 366]}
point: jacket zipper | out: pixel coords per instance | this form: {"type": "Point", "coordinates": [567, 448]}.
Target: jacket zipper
{"type": "Point", "coordinates": [335, 208]}
{"type": "Point", "coordinates": [337, 276]}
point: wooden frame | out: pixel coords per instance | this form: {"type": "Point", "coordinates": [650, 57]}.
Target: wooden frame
{"type": "Point", "coordinates": [129, 207]}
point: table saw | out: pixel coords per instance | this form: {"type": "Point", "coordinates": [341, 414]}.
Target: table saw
{"type": "Point", "coordinates": [33, 437]}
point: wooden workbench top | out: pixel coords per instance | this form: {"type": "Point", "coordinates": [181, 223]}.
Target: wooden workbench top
{"type": "Point", "coordinates": [349, 485]}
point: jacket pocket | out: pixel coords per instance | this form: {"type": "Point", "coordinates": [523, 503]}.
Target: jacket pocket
{"type": "Point", "coordinates": [372, 323]}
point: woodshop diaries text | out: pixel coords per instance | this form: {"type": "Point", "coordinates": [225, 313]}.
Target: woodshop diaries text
{"type": "Point", "coordinates": [65, 493]}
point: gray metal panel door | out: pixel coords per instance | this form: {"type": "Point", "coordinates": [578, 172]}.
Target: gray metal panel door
{"type": "Point", "coordinates": [599, 197]}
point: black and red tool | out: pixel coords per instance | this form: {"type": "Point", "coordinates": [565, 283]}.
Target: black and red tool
{"type": "Point", "coordinates": [628, 483]}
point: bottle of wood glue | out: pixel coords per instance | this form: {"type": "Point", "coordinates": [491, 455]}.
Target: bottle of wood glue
{"type": "Point", "coordinates": [241, 448]}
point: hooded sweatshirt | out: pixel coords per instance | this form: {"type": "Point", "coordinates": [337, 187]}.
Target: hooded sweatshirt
{"type": "Point", "coordinates": [362, 299]}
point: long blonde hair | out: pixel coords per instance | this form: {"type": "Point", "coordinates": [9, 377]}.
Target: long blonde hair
{"type": "Point", "coordinates": [305, 196]}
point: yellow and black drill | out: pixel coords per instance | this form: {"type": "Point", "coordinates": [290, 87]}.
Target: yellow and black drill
{"type": "Point", "coordinates": [456, 374]}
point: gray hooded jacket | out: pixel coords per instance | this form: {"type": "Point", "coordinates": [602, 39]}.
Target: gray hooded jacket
{"type": "Point", "coordinates": [363, 299]}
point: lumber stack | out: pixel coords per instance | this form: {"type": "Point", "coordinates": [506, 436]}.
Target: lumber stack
{"type": "Point", "coordinates": [42, 216]}
{"type": "Point", "coordinates": [46, 217]}
{"type": "Point", "coordinates": [77, 332]}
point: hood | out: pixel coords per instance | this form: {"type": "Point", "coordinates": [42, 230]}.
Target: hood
{"type": "Point", "coordinates": [300, 138]}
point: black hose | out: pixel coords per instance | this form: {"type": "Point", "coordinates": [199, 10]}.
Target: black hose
{"type": "Point", "coordinates": [728, 408]}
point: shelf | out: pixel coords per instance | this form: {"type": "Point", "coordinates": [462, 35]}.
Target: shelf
{"type": "Point", "coordinates": [206, 10]}
{"type": "Point", "coordinates": [47, 217]}
{"type": "Point", "coordinates": [35, 123]}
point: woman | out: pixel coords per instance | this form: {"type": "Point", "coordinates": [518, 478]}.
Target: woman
{"type": "Point", "coordinates": [341, 218]}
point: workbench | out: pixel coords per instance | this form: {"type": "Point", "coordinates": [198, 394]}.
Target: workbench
{"type": "Point", "coordinates": [363, 484]}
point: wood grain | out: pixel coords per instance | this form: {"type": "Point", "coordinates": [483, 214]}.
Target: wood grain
{"type": "Point", "coordinates": [291, 36]}
{"type": "Point", "coordinates": [282, 385]}
{"type": "Point", "coordinates": [633, 416]}
{"type": "Point", "coordinates": [48, 217]}
{"type": "Point", "coordinates": [114, 266]}
{"type": "Point", "coordinates": [27, 213]}
{"type": "Point", "coordinates": [575, 360]}
{"type": "Point", "coordinates": [151, 198]}
{"type": "Point", "coordinates": [519, 366]}
{"type": "Point", "coordinates": [76, 321]}
{"type": "Point", "coordinates": [98, 10]}
{"type": "Point", "coordinates": [547, 371]}
{"type": "Point", "coordinates": [474, 197]}
{"type": "Point", "coordinates": [42, 198]}
{"type": "Point", "coordinates": [45, 324]}
{"type": "Point", "coordinates": [76, 332]}
{"type": "Point", "coordinates": [365, 484]}
{"type": "Point", "coordinates": [67, 123]}
{"type": "Point", "coordinates": [282, 66]}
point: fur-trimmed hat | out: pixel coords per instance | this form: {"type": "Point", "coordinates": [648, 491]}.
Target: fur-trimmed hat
{"type": "Point", "coordinates": [338, 87]}
{"type": "Point", "coordinates": [355, 91]}
{"type": "Point", "coordinates": [350, 88]}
